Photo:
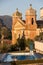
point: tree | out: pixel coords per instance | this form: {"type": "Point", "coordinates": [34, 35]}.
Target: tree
{"type": "Point", "coordinates": [14, 47]}
{"type": "Point", "coordinates": [30, 44]}
{"type": "Point", "coordinates": [40, 37]}
{"type": "Point", "coordinates": [5, 48]}
{"type": "Point", "coordinates": [4, 33]}
{"type": "Point", "coordinates": [37, 38]}
{"type": "Point", "coordinates": [0, 32]}
{"type": "Point", "coordinates": [9, 35]}
{"type": "Point", "coordinates": [22, 43]}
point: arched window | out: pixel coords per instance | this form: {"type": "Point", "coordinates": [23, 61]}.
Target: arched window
{"type": "Point", "coordinates": [32, 21]}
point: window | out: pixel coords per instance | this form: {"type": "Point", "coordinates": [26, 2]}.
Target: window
{"type": "Point", "coordinates": [32, 21]}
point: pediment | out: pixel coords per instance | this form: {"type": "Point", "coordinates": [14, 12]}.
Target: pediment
{"type": "Point", "coordinates": [19, 25]}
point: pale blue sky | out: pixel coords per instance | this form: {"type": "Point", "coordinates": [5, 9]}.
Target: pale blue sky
{"type": "Point", "coordinates": [7, 7]}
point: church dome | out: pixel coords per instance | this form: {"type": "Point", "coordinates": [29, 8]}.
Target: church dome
{"type": "Point", "coordinates": [30, 11]}
{"type": "Point", "coordinates": [17, 13]}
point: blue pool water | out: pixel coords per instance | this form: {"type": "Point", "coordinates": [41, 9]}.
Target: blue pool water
{"type": "Point", "coordinates": [23, 57]}
{"type": "Point", "coordinates": [10, 57]}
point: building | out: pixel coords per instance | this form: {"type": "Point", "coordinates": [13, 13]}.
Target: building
{"type": "Point", "coordinates": [41, 13]}
{"type": "Point", "coordinates": [30, 27]}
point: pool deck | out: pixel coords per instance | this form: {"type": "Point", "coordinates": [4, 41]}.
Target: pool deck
{"type": "Point", "coordinates": [22, 53]}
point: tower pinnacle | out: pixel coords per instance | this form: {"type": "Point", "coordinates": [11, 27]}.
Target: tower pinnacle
{"type": "Point", "coordinates": [30, 5]}
{"type": "Point", "coordinates": [16, 9]}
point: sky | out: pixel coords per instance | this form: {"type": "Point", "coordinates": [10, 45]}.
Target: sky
{"type": "Point", "coordinates": [8, 7]}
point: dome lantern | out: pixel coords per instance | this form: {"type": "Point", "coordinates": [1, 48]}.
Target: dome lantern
{"type": "Point", "coordinates": [17, 14]}
{"type": "Point", "coordinates": [30, 5]}
{"type": "Point", "coordinates": [30, 11]}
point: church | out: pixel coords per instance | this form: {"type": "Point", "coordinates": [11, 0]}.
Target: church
{"type": "Point", "coordinates": [30, 26]}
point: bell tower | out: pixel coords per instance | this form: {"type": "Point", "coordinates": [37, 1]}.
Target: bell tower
{"type": "Point", "coordinates": [31, 21]}
{"type": "Point", "coordinates": [30, 15]}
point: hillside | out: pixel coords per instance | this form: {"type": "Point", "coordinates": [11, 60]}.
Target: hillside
{"type": "Point", "coordinates": [7, 20]}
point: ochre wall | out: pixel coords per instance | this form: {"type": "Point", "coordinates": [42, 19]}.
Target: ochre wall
{"type": "Point", "coordinates": [29, 29]}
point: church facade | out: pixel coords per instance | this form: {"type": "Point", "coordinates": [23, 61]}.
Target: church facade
{"type": "Point", "coordinates": [28, 26]}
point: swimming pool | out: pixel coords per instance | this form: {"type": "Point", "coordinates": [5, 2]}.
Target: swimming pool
{"type": "Point", "coordinates": [10, 57]}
